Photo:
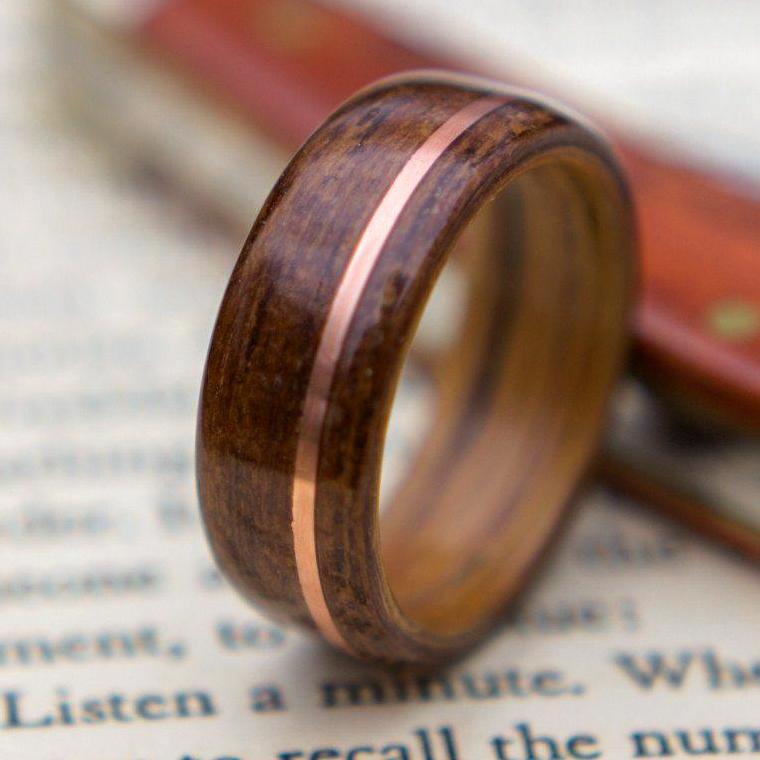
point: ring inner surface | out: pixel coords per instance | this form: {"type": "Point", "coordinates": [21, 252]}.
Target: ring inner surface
{"type": "Point", "coordinates": [516, 400]}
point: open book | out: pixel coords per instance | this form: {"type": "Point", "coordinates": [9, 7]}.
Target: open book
{"type": "Point", "coordinates": [119, 640]}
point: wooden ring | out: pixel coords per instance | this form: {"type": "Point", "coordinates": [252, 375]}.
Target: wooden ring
{"type": "Point", "coordinates": [315, 326]}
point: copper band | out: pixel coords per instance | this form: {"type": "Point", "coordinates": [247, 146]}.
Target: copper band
{"type": "Point", "coordinates": [360, 266]}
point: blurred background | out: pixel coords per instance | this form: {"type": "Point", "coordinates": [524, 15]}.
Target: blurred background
{"type": "Point", "coordinates": [206, 101]}
{"type": "Point", "coordinates": [678, 73]}
{"type": "Point", "coordinates": [138, 140]}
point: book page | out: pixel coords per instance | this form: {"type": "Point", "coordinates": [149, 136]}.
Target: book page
{"type": "Point", "coordinates": [118, 638]}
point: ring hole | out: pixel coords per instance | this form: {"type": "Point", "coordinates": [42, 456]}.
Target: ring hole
{"type": "Point", "coordinates": [512, 408]}
{"type": "Point", "coordinates": [438, 332]}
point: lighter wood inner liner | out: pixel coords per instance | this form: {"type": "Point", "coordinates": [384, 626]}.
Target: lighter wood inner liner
{"type": "Point", "coordinates": [519, 397]}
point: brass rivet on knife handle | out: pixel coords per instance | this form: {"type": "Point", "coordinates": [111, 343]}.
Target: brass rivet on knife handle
{"type": "Point", "coordinates": [734, 320]}
{"type": "Point", "coordinates": [314, 329]}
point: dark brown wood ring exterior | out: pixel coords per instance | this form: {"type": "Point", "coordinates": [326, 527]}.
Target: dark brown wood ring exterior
{"type": "Point", "coordinates": [314, 328]}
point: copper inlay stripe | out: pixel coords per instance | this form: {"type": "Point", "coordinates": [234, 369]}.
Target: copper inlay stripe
{"type": "Point", "coordinates": [361, 263]}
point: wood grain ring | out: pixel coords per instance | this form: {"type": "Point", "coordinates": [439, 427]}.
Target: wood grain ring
{"type": "Point", "coordinates": [313, 331]}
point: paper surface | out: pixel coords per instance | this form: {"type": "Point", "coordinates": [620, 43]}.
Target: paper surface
{"type": "Point", "coordinates": [118, 641]}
